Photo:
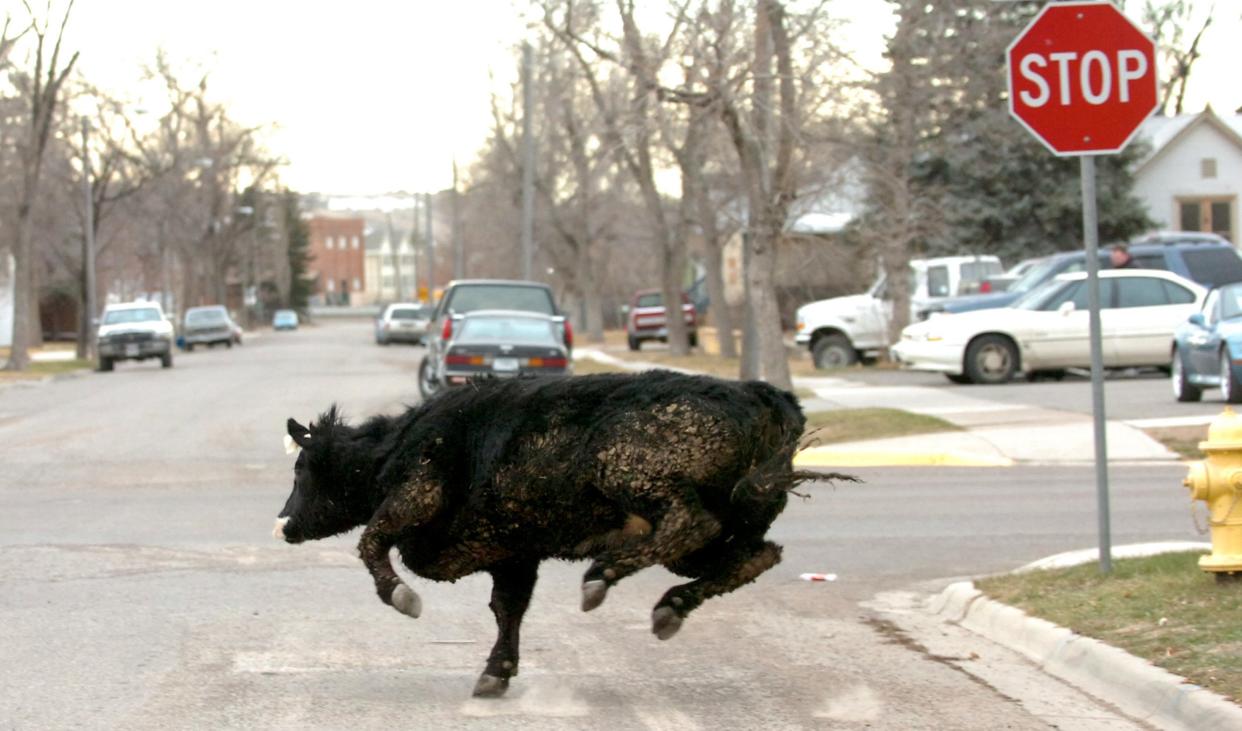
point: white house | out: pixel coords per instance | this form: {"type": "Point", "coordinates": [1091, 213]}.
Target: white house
{"type": "Point", "coordinates": [1191, 179]}
{"type": "Point", "coordinates": [391, 273]}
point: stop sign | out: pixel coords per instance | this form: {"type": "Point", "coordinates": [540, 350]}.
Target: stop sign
{"type": "Point", "coordinates": [1082, 78]}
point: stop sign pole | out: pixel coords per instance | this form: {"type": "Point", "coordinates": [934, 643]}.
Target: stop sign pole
{"type": "Point", "coordinates": [1082, 78]}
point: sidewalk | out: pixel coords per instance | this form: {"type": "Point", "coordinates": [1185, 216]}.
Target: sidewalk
{"type": "Point", "coordinates": [992, 434]}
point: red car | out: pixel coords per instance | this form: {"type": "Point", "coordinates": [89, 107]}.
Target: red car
{"type": "Point", "coordinates": [646, 319]}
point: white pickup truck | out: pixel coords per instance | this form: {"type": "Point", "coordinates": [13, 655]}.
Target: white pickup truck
{"type": "Point", "coordinates": [842, 330]}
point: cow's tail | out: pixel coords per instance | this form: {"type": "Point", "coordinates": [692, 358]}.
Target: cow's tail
{"type": "Point", "coordinates": [781, 431]}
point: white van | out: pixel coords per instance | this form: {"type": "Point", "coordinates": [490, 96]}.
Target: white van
{"type": "Point", "coordinates": [841, 330]}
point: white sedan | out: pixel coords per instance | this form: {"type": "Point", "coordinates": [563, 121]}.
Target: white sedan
{"type": "Point", "coordinates": [1047, 330]}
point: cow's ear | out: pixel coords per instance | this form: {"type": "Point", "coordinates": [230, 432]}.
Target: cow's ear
{"type": "Point", "coordinates": [298, 433]}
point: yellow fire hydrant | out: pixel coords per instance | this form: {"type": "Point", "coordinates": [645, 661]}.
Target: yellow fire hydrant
{"type": "Point", "coordinates": [1217, 480]}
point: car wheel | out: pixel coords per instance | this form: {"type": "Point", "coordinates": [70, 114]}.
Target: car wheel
{"type": "Point", "coordinates": [991, 359]}
{"type": "Point", "coordinates": [634, 343]}
{"type": "Point", "coordinates": [228, 344]}
{"type": "Point", "coordinates": [1230, 388]}
{"type": "Point", "coordinates": [1183, 389]}
{"type": "Point", "coordinates": [105, 364]}
{"type": "Point", "coordinates": [189, 347]}
{"type": "Point", "coordinates": [956, 378]}
{"type": "Point", "coordinates": [428, 386]}
{"type": "Point", "coordinates": [833, 351]}
{"type": "Point", "coordinates": [166, 360]}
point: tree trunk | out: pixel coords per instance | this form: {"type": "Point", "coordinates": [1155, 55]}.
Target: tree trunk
{"type": "Point", "coordinates": [769, 339]}
{"type": "Point", "coordinates": [19, 351]}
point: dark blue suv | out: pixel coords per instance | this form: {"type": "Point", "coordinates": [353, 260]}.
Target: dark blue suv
{"type": "Point", "coordinates": [1203, 257]}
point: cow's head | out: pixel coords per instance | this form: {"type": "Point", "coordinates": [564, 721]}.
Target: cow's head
{"type": "Point", "coordinates": [325, 498]}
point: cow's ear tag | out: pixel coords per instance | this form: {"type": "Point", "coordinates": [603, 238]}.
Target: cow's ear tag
{"type": "Point", "coordinates": [291, 447]}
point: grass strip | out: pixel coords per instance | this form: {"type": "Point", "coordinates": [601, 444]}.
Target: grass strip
{"type": "Point", "coordinates": [852, 425]}
{"type": "Point", "coordinates": [1160, 608]}
{"type": "Point", "coordinates": [41, 369]}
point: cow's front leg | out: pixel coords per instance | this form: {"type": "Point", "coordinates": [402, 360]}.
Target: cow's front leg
{"type": "Point", "coordinates": [410, 506]}
{"type": "Point", "coordinates": [512, 585]}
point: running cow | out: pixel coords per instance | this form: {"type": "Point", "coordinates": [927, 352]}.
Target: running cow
{"type": "Point", "coordinates": [628, 471]}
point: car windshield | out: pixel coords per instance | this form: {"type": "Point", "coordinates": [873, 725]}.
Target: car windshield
{"type": "Point", "coordinates": [654, 299]}
{"type": "Point", "coordinates": [284, 315]}
{"type": "Point", "coordinates": [121, 317]}
{"type": "Point", "coordinates": [407, 313]}
{"type": "Point", "coordinates": [202, 316]}
{"type": "Point", "coordinates": [507, 330]}
{"type": "Point", "coordinates": [1231, 302]}
{"type": "Point", "coordinates": [1037, 297]}
{"type": "Point", "coordinates": [1036, 274]}
{"type": "Point", "coordinates": [468, 298]}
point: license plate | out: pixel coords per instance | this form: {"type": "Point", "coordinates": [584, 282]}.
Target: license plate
{"type": "Point", "coordinates": [131, 350]}
{"type": "Point", "coordinates": [505, 364]}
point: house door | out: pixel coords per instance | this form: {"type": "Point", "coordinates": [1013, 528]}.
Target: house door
{"type": "Point", "coordinates": [1214, 215]}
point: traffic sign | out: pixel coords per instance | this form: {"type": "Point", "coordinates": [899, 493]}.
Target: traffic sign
{"type": "Point", "coordinates": [1082, 78]}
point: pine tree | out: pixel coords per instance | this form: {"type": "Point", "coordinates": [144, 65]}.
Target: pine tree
{"type": "Point", "coordinates": [299, 252]}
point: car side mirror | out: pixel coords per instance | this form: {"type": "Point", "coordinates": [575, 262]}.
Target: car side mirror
{"type": "Point", "coordinates": [1066, 308]}
{"type": "Point", "coordinates": [1197, 320]}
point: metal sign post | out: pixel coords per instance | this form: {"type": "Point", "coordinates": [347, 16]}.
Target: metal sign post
{"type": "Point", "coordinates": [1082, 78]}
{"type": "Point", "coordinates": [1090, 229]}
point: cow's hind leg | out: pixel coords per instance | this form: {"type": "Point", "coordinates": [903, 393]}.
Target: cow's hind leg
{"type": "Point", "coordinates": [682, 527]}
{"type": "Point", "coordinates": [512, 585]}
{"type": "Point", "coordinates": [721, 568]}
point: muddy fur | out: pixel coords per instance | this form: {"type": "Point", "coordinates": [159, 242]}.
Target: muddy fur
{"type": "Point", "coordinates": [629, 471]}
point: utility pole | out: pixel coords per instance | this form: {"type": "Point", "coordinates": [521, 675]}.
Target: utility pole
{"type": "Point", "coordinates": [528, 164]}
{"type": "Point", "coordinates": [88, 256]}
{"type": "Point", "coordinates": [431, 248]}
{"type": "Point", "coordinates": [459, 256]}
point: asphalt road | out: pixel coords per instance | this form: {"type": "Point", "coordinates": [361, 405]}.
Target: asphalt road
{"type": "Point", "coordinates": [140, 587]}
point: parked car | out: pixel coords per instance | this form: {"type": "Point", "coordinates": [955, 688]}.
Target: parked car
{"type": "Point", "coordinates": [134, 331]}
{"type": "Point", "coordinates": [210, 326]}
{"type": "Point", "coordinates": [842, 330]}
{"type": "Point", "coordinates": [645, 319]}
{"type": "Point", "coordinates": [405, 322]}
{"type": "Point", "coordinates": [285, 320]}
{"type": "Point", "coordinates": [1207, 348]}
{"type": "Point", "coordinates": [1048, 330]}
{"type": "Point", "coordinates": [461, 297]}
{"type": "Point", "coordinates": [505, 345]}
{"type": "Point", "coordinates": [1201, 257]}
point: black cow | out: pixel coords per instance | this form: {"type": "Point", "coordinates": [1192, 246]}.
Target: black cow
{"type": "Point", "coordinates": [627, 470]}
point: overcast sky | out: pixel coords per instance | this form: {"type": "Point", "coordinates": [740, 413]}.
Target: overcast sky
{"type": "Point", "coordinates": [374, 96]}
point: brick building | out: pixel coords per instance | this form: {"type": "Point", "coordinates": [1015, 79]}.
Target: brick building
{"type": "Point", "coordinates": [338, 258]}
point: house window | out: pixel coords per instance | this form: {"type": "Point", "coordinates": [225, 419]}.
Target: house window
{"type": "Point", "coordinates": [357, 281]}
{"type": "Point", "coordinates": [354, 242]}
{"type": "Point", "coordinates": [1214, 215]}
{"type": "Point", "coordinates": [331, 285]}
{"type": "Point", "coordinates": [1207, 167]}
{"type": "Point", "coordinates": [328, 242]}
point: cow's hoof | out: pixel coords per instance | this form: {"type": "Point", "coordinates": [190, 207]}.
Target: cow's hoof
{"type": "Point", "coordinates": [404, 600]}
{"type": "Point", "coordinates": [593, 593]}
{"type": "Point", "coordinates": [490, 686]}
{"type": "Point", "coordinates": [665, 622]}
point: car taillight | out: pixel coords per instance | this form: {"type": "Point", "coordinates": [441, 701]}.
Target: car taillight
{"type": "Point", "coordinates": [447, 332]}
{"type": "Point", "coordinates": [453, 359]}
{"type": "Point", "coordinates": [547, 362]}
{"type": "Point", "coordinates": [569, 335]}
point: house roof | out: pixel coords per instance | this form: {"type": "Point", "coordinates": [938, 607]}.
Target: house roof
{"type": "Point", "coordinates": [1161, 132]}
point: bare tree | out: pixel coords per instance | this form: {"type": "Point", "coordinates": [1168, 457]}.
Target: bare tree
{"type": "Point", "coordinates": [40, 89]}
{"type": "Point", "coordinates": [1173, 26]}
{"type": "Point", "coordinates": [629, 130]}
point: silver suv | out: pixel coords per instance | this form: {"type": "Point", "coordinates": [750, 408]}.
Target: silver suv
{"type": "Point", "coordinates": [134, 331]}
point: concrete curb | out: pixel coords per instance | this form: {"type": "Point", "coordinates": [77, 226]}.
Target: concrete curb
{"type": "Point", "coordinates": [1135, 686]}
